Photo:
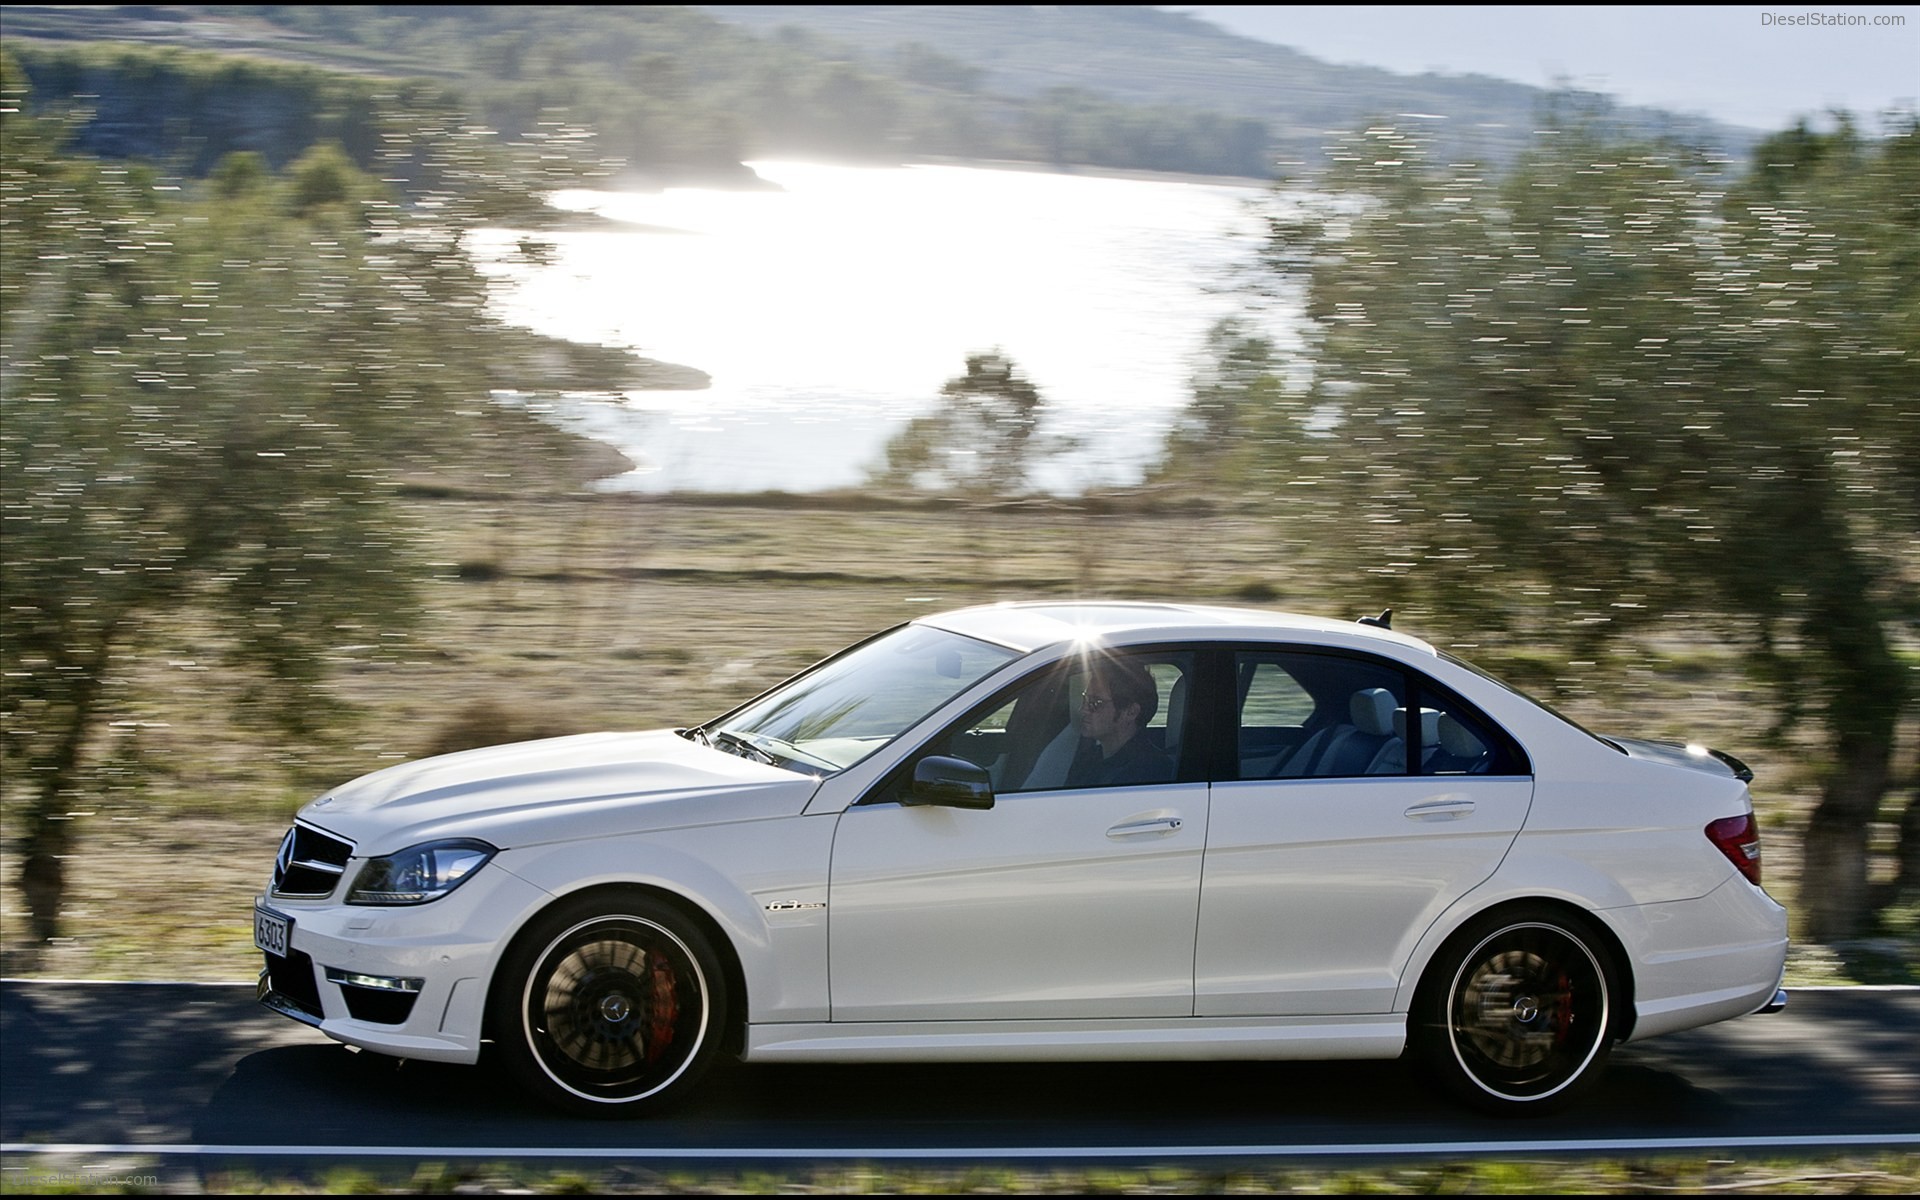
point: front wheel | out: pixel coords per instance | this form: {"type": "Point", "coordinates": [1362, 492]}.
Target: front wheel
{"type": "Point", "coordinates": [1514, 1015]}
{"type": "Point", "coordinates": [609, 1006]}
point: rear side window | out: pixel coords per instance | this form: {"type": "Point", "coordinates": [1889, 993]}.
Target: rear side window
{"type": "Point", "coordinates": [1319, 715]}
{"type": "Point", "coordinates": [1457, 740]}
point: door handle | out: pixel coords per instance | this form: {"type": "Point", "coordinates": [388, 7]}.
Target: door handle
{"type": "Point", "coordinates": [1136, 828]}
{"type": "Point", "coordinates": [1440, 810]}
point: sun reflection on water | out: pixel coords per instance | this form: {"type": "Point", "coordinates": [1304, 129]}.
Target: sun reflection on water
{"type": "Point", "coordinates": [830, 308]}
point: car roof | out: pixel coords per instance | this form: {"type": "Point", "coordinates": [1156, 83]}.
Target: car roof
{"type": "Point", "coordinates": [1034, 625]}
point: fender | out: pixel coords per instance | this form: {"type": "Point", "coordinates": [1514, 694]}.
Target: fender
{"type": "Point", "coordinates": [769, 902]}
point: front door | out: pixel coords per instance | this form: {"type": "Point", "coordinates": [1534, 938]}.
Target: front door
{"type": "Point", "coordinates": [1074, 896]}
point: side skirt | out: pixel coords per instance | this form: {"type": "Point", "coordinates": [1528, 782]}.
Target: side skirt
{"type": "Point", "coordinates": [1193, 1038]}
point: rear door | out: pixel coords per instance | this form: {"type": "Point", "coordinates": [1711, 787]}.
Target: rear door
{"type": "Point", "coordinates": [1339, 830]}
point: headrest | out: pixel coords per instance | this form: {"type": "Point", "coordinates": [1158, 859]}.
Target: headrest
{"type": "Point", "coordinates": [1429, 725]}
{"type": "Point", "coordinates": [1373, 711]}
{"type": "Point", "coordinates": [1456, 739]}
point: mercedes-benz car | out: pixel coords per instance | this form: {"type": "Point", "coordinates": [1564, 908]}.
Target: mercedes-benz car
{"type": "Point", "coordinates": [1043, 831]}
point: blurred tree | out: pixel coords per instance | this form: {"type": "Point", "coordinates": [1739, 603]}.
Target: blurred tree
{"type": "Point", "coordinates": [1612, 385]}
{"type": "Point", "coordinates": [206, 403]}
{"type": "Point", "coordinates": [984, 440]}
{"type": "Point", "coordinates": [323, 177]}
{"type": "Point", "coordinates": [1238, 382]}
{"type": "Point", "coordinates": [851, 111]}
{"type": "Point", "coordinates": [920, 63]}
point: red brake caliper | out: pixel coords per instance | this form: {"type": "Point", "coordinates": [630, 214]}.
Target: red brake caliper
{"type": "Point", "coordinates": [664, 1009]}
{"type": "Point", "coordinates": [1563, 1011]}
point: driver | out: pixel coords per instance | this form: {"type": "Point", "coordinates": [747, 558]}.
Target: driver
{"type": "Point", "coordinates": [1119, 701]}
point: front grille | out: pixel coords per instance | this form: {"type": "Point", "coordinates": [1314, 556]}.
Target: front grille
{"type": "Point", "coordinates": [310, 863]}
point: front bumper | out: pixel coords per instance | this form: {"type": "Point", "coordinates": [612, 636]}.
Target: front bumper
{"type": "Point", "coordinates": [407, 981]}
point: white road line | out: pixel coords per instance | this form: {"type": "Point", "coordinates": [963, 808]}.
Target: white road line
{"type": "Point", "coordinates": [234, 983]}
{"type": "Point", "coordinates": [876, 1154]}
{"type": "Point", "coordinates": [219, 983]}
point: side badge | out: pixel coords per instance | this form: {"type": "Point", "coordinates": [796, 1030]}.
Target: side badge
{"type": "Point", "coordinates": [784, 906]}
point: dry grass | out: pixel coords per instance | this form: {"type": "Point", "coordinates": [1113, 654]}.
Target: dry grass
{"type": "Point", "coordinates": [1865, 1174]}
{"type": "Point", "coordinates": [569, 613]}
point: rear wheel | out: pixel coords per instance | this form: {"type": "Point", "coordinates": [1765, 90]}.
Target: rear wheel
{"type": "Point", "coordinates": [1515, 1014]}
{"type": "Point", "coordinates": [610, 1006]}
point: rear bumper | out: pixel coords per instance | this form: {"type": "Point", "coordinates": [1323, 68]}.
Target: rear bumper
{"type": "Point", "coordinates": [1720, 956]}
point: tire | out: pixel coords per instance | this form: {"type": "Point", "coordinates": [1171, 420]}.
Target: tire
{"type": "Point", "coordinates": [1515, 1014]}
{"type": "Point", "coordinates": [609, 1006]}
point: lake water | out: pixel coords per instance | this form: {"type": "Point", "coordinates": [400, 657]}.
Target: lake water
{"type": "Point", "coordinates": [830, 309]}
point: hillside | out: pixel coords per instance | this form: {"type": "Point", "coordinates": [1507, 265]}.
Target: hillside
{"type": "Point", "coordinates": [1144, 56]}
{"type": "Point", "coordinates": [678, 91]}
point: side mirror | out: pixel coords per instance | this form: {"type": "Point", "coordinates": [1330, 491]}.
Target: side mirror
{"type": "Point", "coordinates": [948, 783]}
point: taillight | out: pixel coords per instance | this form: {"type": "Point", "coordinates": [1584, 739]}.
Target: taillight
{"type": "Point", "coordinates": [1739, 839]}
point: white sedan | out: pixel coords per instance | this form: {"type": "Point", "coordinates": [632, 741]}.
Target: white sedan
{"type": "Point", "coordinates": [1043, 831]}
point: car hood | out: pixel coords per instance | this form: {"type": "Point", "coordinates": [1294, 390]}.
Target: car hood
{"type": "Point", "coordinates": [1674, 754]}
{"type": "Point", "coordinates": [591, 785]}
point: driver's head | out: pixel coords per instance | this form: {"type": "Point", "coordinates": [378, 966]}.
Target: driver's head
{"type": "Point", "coordinates": [1120, 699]}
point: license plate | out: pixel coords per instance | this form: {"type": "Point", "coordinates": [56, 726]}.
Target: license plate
{"type": "Point", "coordinates": [271, 931]}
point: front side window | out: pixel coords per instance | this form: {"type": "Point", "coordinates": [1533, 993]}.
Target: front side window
{"type": "Point", "coordinates": [1103, 719]}
{"type": "Point", "coordinates": [845, 709]}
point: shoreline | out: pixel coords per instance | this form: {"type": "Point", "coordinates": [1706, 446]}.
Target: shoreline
{"type": "Point", "coordinates": [750, 180]}
{"type": "Point", "coordinates": [1139, 174]}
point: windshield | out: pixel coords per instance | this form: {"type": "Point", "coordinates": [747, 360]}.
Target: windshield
{"type": "Point", "coordinates": [848, 707]}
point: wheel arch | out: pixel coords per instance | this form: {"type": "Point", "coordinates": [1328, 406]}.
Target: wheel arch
{"type": "Point", "coordinates": [733, 1037]}
{"type": "Point", "coordinates": [1438, 948]}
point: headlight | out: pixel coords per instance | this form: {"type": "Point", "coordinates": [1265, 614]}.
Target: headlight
{"type": "Point", "coordinates": [419, 873]}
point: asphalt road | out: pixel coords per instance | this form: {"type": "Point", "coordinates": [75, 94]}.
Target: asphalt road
{"type": "Point", "coordinates": [187, 1069]}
